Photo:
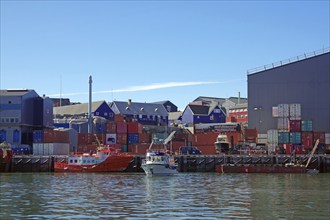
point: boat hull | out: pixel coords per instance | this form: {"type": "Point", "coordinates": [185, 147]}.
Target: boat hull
{"type": "Point", "coordinates": [159, 169]}
{"type": "Point", "coordinates": [228, 168]}
{"type": "Point", "coordinates": [115, 163]}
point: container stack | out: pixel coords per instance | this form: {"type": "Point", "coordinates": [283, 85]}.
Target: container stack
{"type": "Point", "coordinates": [52, 142]}
{"type": "Point", "coordinates": [293, 132]}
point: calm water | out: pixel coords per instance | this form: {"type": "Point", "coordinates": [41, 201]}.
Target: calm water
{"type": "Point", "coordinates": [185, 196]}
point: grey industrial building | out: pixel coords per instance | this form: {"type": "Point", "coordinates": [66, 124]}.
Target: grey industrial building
{"type": "Point", "coordinates": [304, 80]}
{"type": "Point", "coordinates": [21, 112]}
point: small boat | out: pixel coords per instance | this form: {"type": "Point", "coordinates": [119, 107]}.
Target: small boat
{"type": "Point", "coordinates": [105, 159]}
{"type": "Point", "coordinates": [160, 162]}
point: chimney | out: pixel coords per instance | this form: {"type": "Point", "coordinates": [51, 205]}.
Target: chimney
{"type": "Point", "coordinates": [129, 102]}
{"type": "Point", "coordinates": [239, 98]}
{"type": "Point", "coordinates": [90, 106]}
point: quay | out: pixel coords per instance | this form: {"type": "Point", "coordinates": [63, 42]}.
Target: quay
{"type": "Point", "coordinates": [187, 163]}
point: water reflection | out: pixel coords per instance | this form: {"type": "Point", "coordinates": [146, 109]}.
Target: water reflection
{"type": "Point", "coordinates": [184, 196]}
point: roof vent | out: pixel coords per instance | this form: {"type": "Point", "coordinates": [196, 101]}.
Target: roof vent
{"type": "Point", "coordinates": [142, 109]}
{"type": "Point", "coordinates": [156, 109]}
{"type": "Point", "coordinates": [127, 108]}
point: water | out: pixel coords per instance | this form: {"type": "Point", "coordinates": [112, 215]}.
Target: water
{"type": "Point", "coordinates": [185, 196]}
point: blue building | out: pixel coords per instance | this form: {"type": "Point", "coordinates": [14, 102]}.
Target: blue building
{"type": "Point", "coordinates": [144, 113]}
{"type": "Point", "coordinates": [23, 111]}
{"type": "Point", "coordinates": [200, 113]}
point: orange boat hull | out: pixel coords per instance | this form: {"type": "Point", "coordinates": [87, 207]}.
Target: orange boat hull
{"type": "Point", "coordinates": [114, 163]}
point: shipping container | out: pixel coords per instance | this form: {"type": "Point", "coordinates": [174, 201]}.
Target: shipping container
{"type": "Point", "coordinates": [320, 136]}
{"type": "Point", "coordinates": [121, 127]}
{"type": "Point", "coordinates": [287, 148]}
{"type": "Point", "coordinates": [283, 110]}
{"type": "Point", "coordinates": [56, 136]}
{"type": "Point", "coordinates": [206, 138]}
{"type": "Point", "coordinates": [295, 111]}
{"type": "Point", "coordinates": [121, 138]}
{"type": "Point", "coordinates": [119, 118]}
{"type": "Point", "coordinates": [110, 127]}
{"type": "Point", "coordinates": [133, 138]}
{"type": "Point", "coordinates": [306, 125]}
{"type": "Point", "coordinates": [299, 150]}
{"type": "Point", "coordinates": [134, 128]}
{"type": "Point", "coordinates": [275, 111]}
{"type": "Point", "coordinates": [283, 124]}
{"type": "Point", "coordinates": [159, 137]}
{"type": "Point", "coordinates": [141, 149]}
{"type": "Point", "coordinates": [307, 139]}
{"type": "Point", "coordinates": [251, 134]}
{"type": "Point", "coordinates": [57, 148]}
{"type": "Point", "coordinates": [111, 139]}
{"type": "Point", "coordinates": [38, 136]}
{"type": "Point", "coordinates": [294, 125]}
{"type": "Point", "coordinates": [207, 149]}
{"type": "Point", "coordinates": [144, 138]}
{"type": "Point", "coordinates": [283, 138]}
{"type": "Point", "coordinates": [124, 148]}
{"type": "Point", "coordinates": [295, 137]}
{"type": "Point", "coordinates": [272, 136]}
{"type": "Point", "coordinates": [327, 138]}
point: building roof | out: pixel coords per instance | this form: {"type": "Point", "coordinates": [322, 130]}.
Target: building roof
{"type": "Point", "coordinates": [15, 92]}
{"type": "Point", "coordinates": [77, 109]}
{"type": "Point", "coordinates": [210, 99]}
{"type": "Point", "coordinates": [137, 108]}
{"type": "Point", "coordinates": [241, 105]}
{"type": "Point", "coordinates": [238, 100]}
{"type": "Point", "coordinates": [199, 109]}
{"type": "Point", "coordinates": [174, 115]}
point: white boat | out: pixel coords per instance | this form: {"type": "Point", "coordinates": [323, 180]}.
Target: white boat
{"type": "Point", "coordinates": [158, 163]}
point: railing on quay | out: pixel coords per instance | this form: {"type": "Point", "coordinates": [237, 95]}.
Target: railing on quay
{"type": "Point", "coordinates": [287, 61]}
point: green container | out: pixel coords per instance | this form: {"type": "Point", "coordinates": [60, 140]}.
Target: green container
{"type": "Point", "coordinates": [124, 148]}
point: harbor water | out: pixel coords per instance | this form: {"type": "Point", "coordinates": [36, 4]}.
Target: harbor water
{"type": "Point", "coordinates": [184, 196]}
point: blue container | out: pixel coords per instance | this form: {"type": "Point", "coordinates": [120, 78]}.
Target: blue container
{"type": "Point", "coordinates": [306, 125]}
{"type": "Point", "coordinates": [283, 137]}
{"type": "Point", "coordinates": [295, 138]}
{"type": "Point", "coordinates": [38, 136]}
{"type": "Point", "coordinates": [133, 138]}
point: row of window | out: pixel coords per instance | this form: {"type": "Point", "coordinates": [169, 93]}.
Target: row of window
{"type": "Point", "coordinates": [9, 120]}
{"type": "Point", "coordinates": [238, 110]}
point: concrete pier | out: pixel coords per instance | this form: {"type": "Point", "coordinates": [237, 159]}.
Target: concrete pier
{"type": "Point", "coordinates": [187, 163]}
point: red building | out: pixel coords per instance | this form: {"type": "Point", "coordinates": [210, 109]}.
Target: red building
{"type": "Point", "coordinates": [238, 113]}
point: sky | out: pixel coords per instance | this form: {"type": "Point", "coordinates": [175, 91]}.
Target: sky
{"type": "Point", "coordinates": [150, 51]}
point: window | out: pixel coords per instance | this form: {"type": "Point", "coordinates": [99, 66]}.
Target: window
{"type": "Point", "coordinates": [75, 161]}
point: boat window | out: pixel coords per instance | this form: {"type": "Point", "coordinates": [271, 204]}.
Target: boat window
{"type": "Point", "coordinates": [71, 161]}
{"type": "Point", "coordinates": [84, 161]}
{"type": "Point", "coordinates": [92, 161]}
{"type": "Point", "coordinates": [162, 158]}
{"type": "Point", "coordinates": [75, 161]}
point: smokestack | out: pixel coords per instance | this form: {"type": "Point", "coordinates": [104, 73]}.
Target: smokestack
{"type": "Point", "coordinates": [90, 106]}
{"type": "Point", "coordinates": [129, 102]}
{"type": "Point", "coordinates": [239, 98]}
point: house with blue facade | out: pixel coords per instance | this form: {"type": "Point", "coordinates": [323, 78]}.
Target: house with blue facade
{"type": "Point", "coordinates": [144, 113]}
{"type": "Point", "coordinates": [169, 106]}
{"type": "Point", "coordinates": [196, 113]}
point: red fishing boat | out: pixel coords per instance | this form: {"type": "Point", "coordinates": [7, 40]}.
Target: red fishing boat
{"type": "Point", "coordinates": [106, 159]}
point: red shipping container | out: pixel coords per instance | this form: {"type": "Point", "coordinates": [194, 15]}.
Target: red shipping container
{"type": "Point", "coordinates": [295, 125]}
{"type": "Point", "coordinates": [110, 127]}
{"type": "Point", "coordinates": [237, 137]}
{"type": "Point", "coordinates": [307, 139]}
{"type": "Point", "coordinates": [207, 149]}
{"type": "Point", "coordinates": [320, 136]}
{"type": "Point", "coordinates": [251, 133]}
{"type": "Point", "coordinates": [206, 138]}
{"type": "Point", "coordinates": [180, 136]}
{"type": "Point", "coordinates": [287, 148]}
{"type": "Point", "coordinates": [119, 118]}
{"type": "Point", "coordinates": [144, 138]}
{"type": "Point", "coordinates": [134, 128]}
{"type": "Point", "coordinates": [138, 149]}
{"type": "Point", "coordinates": [121, 138]}
{"type": "Point", "coordinates": [121, 127]}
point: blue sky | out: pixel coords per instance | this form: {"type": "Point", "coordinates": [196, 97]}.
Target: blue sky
{"type": "Point", "coordinates": [151, 51]}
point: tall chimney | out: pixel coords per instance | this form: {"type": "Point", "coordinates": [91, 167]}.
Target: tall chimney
{"type": "Point", "coordinates": [90, 106]}
{"type": "Point", "coordinates": [239, 98]}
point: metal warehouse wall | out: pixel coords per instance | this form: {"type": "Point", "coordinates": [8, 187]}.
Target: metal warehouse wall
{"type": "Point", "coordinates": [306, 82]}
